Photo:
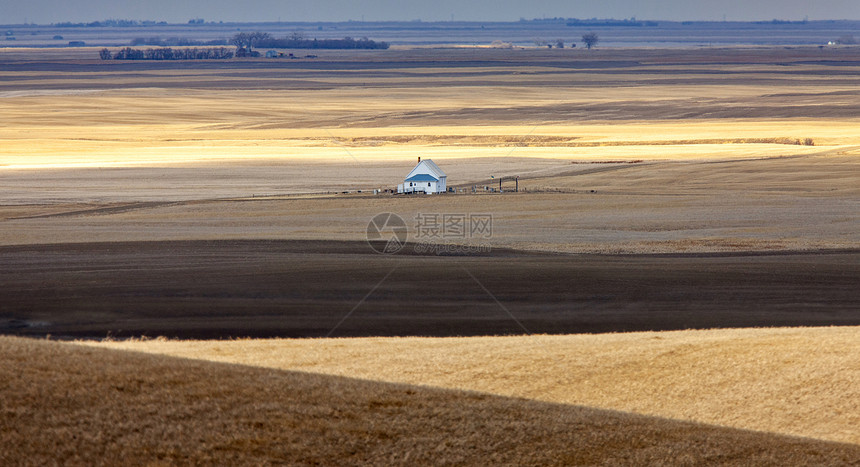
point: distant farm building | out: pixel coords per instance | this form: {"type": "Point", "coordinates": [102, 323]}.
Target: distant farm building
{"type": "Point", "coordinates": [426, 177]}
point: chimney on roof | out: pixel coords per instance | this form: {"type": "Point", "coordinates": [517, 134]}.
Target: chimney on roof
{"type": "Point", "coordinates": [419, 158]}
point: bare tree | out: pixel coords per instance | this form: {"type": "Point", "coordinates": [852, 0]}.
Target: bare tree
{"type": "Point", "coordinates": [239, 40]}
{"type": "Point", "coordinates": [559, 44]}
{"type": "Point", "coordinates": [590, 40]}
{"type": "Point", "coordinates": [247, 41]}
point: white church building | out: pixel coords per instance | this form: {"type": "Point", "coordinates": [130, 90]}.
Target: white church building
{"type": "Point", "coordinates": [426, 177]}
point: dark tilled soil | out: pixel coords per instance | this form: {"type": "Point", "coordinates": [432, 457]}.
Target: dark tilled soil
{"type": "Point", "coordinates": [228, 289]}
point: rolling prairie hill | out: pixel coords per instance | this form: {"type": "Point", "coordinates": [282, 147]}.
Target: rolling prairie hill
{"type": "Point", "coordinates": [76, 405]}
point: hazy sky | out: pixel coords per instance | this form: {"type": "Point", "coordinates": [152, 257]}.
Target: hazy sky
{"type": "Point", "coordinates": [52, 11]}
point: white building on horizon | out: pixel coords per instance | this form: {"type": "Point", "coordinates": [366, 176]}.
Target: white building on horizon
{"type": "Point", "coordinates": [426, 177]}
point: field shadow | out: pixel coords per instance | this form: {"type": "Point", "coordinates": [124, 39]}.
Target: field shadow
{"type": "Point", "coordinates": [76, 404]}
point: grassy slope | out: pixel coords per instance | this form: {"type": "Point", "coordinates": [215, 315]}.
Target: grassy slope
{"type": "Point", "coordinates": [76, 405]}
{"type": "Point", "coordinates": [798, 381]}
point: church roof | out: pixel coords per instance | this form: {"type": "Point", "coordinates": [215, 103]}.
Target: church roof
{"type": "Point", "coordinates": [422, 178]}
{"type": "Point", "coordinates": [427, 166]}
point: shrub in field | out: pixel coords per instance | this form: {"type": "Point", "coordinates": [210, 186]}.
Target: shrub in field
{"type": "Point", "coordinates": [590, 39]}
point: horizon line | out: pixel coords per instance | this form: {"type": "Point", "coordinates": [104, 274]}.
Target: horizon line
{"type": "Point", "coordinates": [150, 22]}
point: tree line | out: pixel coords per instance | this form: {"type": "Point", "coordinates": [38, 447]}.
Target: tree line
{"type": "Point", "coordinates": [166, 53]}
{"type": "Point", "coordinates": [245, 43]}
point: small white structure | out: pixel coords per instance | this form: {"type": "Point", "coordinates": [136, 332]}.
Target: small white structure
{"type": "Point", "coordinates": [426, 177]}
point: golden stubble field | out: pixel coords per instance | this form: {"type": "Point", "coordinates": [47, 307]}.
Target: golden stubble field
{"type": "Point", "coordinates": [793, 381]}
{"type": "Point", "coordinates": [730, 151]}
{"type": "Point", "coordinates": [79, 405]}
